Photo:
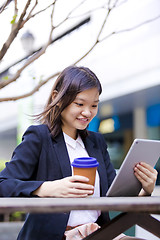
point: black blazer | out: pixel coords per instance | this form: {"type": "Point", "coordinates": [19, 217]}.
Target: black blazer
{"type": "Point", "coordinates": [41, 158]}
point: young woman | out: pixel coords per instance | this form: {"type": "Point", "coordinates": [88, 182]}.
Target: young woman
{"type": "Point", "coordinates": [41, 164]}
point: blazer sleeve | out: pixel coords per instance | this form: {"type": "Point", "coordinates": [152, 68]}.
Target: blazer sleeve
{"type": "Point", "coordinates": [17, 179]}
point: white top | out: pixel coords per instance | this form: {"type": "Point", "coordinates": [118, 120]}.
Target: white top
{"type": "Point", "coordinates": [76, 149]}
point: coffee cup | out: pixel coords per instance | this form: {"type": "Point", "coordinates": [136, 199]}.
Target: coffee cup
{"type": "Point", "coordinates": [86, 166]}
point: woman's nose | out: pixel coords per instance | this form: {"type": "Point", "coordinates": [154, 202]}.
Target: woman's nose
{"type": "Point", "coordinates": [86, 112]}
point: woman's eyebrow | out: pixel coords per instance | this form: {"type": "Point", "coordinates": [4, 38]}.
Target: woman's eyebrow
{"type": "Point", "coordinates": [81, 99]}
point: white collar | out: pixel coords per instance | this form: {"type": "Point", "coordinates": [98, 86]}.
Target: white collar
{"type": "Point", "coordinates": [70, 141]}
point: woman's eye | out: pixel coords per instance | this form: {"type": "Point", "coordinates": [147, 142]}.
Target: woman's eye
{"type": "Point", "coordinates": [79, 104]}
{"type": "Point", "coordinates": [94, 106]}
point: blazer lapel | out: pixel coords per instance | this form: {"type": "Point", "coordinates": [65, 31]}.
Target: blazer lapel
{"type": "Point", "coordinates": [62, 155]}
{"type": "Point", "coordinates": [92, 150]}
{"type": "Point", "coordinates": [95, 152]}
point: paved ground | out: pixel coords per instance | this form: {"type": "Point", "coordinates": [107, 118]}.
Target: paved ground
{"type": "Point", "coordinates": [9, 231]}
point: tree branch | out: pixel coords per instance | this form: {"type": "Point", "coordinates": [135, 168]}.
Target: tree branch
{"type": "Point", "coordinates": [98, 40]}
{"type": "Point", "coordinates": [35, 89]}
{"type": "Point", "coordinates": [30, 15]}
{"type": "Point", "coordinates": [2, 8]}
{"type": "Point", "coordinates": [131, 29]}
{"type": "Point", "coordinates": [99, 33]}
{"type": "Point", "coordinates": [14, 32]}
{"type": "Point", "coordinates": [15, 13]}
{"type": "Point", "coordinates": [30, 60]}
{"type": "Point", "coordinates": [12, 79]}
{"type": "Point", "coordinates": [69, 14]}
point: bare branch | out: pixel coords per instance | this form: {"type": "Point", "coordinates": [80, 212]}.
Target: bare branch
{"type": "Point", "coordinates": [2, 8]}
{"type": "Point", "coordinates": [31, 59]}
{"type": "Point", "coordinates": [52, 27]}
{"type": "Point", "coordinates": [69, 14]}
{"type": "Point", "coordinates": [78, 25]}
{"type": "Point", "coordinates": [121, 31]}
{"type": "Point", "coordinates": [36, 2]}
{"type": "Point", "coordinates": [42, 10]}
{"type": "Point", "coordinates": [89, 12]}
{"type": "Point", "coordinates": [20, 24]}
{"type": "Point", "coordinates": [8, 81]}
{"type": "Point", "coordinates": [91, 48]}
{"type": "Point", "coordinates": [15, 7]}
{"type": "Point", "coordinates": [35, 89]}
{"type": "Point", "coordinates": [15, 13]}
{"type": "Point", "coordinates": [30, 13]}
{"type": "Point", "coordinates": [14, 32]}
{"type": "Point", "coordinates": [122, 3]}
{"type": "Point", "coordinates": [4, 83]}
{"type": "Point", "coordinates": [105, 7]}
{"type": "Point", "coordinates": [81, 3]}
{"type": "Point", "coordinates": [103, 25]}
{"type": "Point", "coordinates": [132, 28]}
{"type": "Point", "coordinates": [100, 31]}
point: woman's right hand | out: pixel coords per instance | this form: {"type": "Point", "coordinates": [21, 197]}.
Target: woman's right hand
{"type": "Point", "coordinates": [69, 187]}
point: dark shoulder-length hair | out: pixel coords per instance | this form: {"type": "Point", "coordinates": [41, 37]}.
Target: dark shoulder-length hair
{"type": "Point", "coordinates": [71, 81]}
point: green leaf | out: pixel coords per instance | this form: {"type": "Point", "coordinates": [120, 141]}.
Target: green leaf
{"type": "Point", "coordinates": [5, 78]}
{"type": "Point", "coordinates": [14, 19]}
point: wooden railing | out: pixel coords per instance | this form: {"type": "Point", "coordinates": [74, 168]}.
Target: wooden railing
{"type": "Point", "coordinates": [135, 210]}
{"type": "Point", "coordinates": [52, 205]}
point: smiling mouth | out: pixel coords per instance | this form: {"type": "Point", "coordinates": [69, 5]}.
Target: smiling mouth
{"type": "Point", "coordinates": [83, 119]}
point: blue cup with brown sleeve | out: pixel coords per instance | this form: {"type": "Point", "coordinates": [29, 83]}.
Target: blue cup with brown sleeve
{"type": "Point", "coordinates": [85, 166]}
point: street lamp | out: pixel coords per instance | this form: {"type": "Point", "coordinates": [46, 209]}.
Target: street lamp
{"type": "Point", "coordinates": [27, 41]}
{"type": "Point", "coordinates": [26, 105]}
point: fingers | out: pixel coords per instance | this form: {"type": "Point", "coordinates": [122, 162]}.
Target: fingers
{"type": "Point", "coordinates": [76, 186]}
{"type": "Point", "coordinates": [147, 175]}
{"type": "Point", "coordinates": [80, 192]}
{"type": "Point", "coordinates": [75, 195]}
{"type": "Point", "coordinates": [142, 172]}
{"type": "Point", "coordinates": [79, 185]}
{"type": "Point", "coordinates": [147, 166]}
{"type": "Point", "coordinates": [78, 179]}
{"type": "Point", "coordinates": [145, 171]}
{"type": "Point", "coordinates": [79, 182]}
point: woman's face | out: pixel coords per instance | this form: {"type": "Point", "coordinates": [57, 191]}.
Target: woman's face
{"type": "Point", "coordinates": [80, 112]}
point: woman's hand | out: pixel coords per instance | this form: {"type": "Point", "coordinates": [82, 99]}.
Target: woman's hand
{"type": "Point", "coordinates": [147, 175]}
{"type": "Point", "coordinates": [74, 186]}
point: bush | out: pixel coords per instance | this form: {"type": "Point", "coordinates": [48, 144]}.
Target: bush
{"type": "Point", "coordinates": [2, 164]}
{"type": "Point", "coordinates": [17, 216]}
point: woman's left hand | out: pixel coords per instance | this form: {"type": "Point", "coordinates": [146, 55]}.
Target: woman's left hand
{"type": "Point", "coordinates": [147, 175]}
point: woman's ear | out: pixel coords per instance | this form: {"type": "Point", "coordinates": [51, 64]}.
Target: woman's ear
{"type": "Point", "coordinates": [54, 95]}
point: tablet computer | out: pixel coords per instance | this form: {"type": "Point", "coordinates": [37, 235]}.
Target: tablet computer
{"type": "Point", "coordinates": [125, 183]}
